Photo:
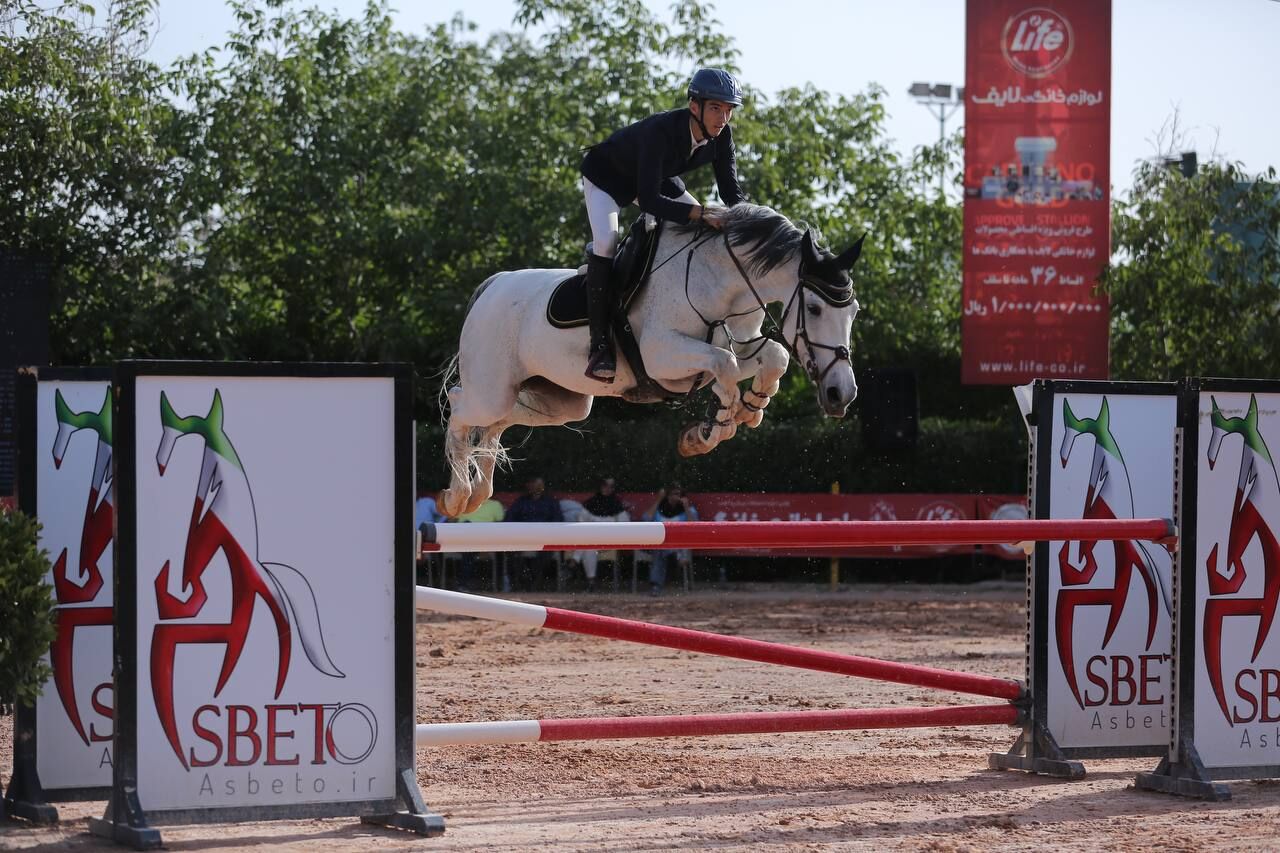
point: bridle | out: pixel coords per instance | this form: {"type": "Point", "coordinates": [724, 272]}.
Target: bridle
{"type": "Point", "coordinates": [772, 328]}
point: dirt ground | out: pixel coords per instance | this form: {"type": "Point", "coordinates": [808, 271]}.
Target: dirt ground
{"type": "Point", "coordinates": [919, 789]}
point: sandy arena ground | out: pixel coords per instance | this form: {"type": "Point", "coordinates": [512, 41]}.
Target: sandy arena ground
{"type": "Point", "coordinates": [921, 789]}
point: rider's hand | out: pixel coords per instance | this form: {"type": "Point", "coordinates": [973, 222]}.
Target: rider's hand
{"type": "Point", "coordinates": [713, 218]}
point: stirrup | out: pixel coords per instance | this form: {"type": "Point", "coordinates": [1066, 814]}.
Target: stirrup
{"type": "Point", "coordinates": [602, 366]}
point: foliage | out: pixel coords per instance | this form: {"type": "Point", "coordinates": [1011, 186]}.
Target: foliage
{"type": "Point", "coordinates": [1196, 291]}
{"type": "Point", "coordinates": [26, 609]}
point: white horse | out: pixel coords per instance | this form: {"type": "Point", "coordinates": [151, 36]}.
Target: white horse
{"type": "Point", "coordinates": [698, 322]}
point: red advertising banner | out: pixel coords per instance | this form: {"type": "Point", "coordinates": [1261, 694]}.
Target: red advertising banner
{"type": "Point", "coordinates": [820, 506]}
{"type": "Point", "coordinates": [1037, 200]}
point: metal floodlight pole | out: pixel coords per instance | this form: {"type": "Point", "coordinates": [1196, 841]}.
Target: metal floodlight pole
{"type": "Point", "coordinates": [942, 100]}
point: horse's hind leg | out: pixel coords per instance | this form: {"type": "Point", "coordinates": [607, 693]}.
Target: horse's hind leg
{"type": "Point", "coordinates": [489, 452]}
{"type": "Point", "coordinates": [457, 453]}
{"type": "Point", "coordinates": [468, 415]}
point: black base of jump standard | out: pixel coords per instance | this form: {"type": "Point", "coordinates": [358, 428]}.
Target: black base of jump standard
{"type": "Point", "coordinates": [129, 826]}
{"type": "Point", "coordinates": [417, 818]}
{"type": "Point", "coordinates": [25, 798]}
{"type": "Point", "coordinates": [1186, 777]}
{"type": "Point", "coordinates": [1035, 751]}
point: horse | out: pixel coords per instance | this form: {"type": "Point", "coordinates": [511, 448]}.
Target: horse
{"type": "Point", "coordinates": [224, 519]}
{"type": "Point", "coordinates": [1110, 495]}
{"type": "Point", "coordinates": [1255, 514]}
{"type": "Point", "coordinates": [83, 586]}
{"type": "Point", "coordinates": [699, 321]}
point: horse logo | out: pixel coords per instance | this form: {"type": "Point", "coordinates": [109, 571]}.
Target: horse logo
{"type": "Point", "coordinates": [224, 519]}
{"type": "Point", "coordinates": [1110, 495]}
{"type": "Point", "coordinates": [83, 587]}
{"type": "Point", "coordinates": [1253, 513]}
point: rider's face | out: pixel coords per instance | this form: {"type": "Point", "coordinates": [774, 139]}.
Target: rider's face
{"type": "Point", "coordinates": [714, 114]}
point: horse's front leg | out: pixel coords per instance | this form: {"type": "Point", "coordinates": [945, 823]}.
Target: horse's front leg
{"type": "Point", "coordinates": [677, 358]}
{"type": "Point", "coordinates": [766, 370]}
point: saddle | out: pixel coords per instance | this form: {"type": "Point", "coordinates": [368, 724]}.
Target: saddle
{"type": "Point", "coordinates": [567, 308]}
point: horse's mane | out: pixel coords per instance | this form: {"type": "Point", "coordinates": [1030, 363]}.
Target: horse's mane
{"type": "Point", "coordinates": [771, 238]}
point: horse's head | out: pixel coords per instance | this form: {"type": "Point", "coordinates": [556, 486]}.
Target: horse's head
{"type": "Point", "coordinates": [70, 422]}
{"type": "Point", "coordinates": [821, 322]}
{"type": "Point", "coordinates": [209, 426]}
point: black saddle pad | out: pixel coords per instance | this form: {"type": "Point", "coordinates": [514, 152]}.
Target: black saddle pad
{"type": "Point", "coordinates": [567, 308]}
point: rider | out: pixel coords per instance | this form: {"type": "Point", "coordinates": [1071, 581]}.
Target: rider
{"type": "Point", "coordinates": [640, 162]}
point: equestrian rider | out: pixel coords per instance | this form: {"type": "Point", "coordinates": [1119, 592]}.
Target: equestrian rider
{"type": "Point", "coordinates": [641, 163]}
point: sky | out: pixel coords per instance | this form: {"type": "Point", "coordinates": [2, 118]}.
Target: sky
{"type": "Point", "coordinates": [1213, 64]}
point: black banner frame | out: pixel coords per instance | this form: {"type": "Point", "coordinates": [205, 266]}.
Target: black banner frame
{"type": "Point", "coordinates": [125, 821]}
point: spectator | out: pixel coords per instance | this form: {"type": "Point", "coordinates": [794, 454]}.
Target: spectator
{"type": "Point", "coordinates": [604, 505]}
{"type": "Point", "coordinates": [490, 511]}
{"type": "Point", "coordinates": [671, 505]}
{"type": "Point", "coordinates": [533, 506]}
{"type": "Point", "coordinates": [424, 513]}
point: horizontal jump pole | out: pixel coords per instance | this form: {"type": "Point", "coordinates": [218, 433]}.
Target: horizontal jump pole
{"type": "Point", "coordinates": [685, 639]}
{"type": "Point", "coordinates": [726, 535]}
{"type": "Point", "coordinates": [703, 725]}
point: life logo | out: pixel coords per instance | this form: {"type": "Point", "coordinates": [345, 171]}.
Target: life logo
{"type": "Point", "coordinates": [1254, 513]}
{"type": "Point", "coordinates": [1037, 41]}
{"type": "Point", "coordinates": [1109, 495]}
{"type": "Point", "coordinates": [76, 594]}
{"type": "Point", "coordinates": [223, 519]}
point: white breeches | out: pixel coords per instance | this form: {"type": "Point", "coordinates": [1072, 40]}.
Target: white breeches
{"type": "Point", "coordinates": [602, 214]}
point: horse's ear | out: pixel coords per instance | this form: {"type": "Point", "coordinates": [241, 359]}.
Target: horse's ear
{"type": "Point", "coordinates": [849, 256]}
{"type": "Point", "coordinates": [808, 250]}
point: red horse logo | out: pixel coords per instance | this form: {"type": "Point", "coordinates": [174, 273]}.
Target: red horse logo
{"type": "Point", "coordinates": [224, 520]}
{"type": "Point", "coordinates": [83, 587]}
{"type": "Point", "coordinates": [1109, 493]}
{"type": "Point", "coordinates": [1256, 504]}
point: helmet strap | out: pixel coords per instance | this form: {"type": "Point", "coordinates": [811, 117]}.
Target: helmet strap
{"type": "Point", "coordinates": [702, 105]}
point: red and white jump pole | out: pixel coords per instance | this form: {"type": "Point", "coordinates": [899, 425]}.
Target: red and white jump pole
{"type": "Point", "coordinates": [725, 535]}
{"type": "Point", "coordinates": [685, 639]}
{"type": "Point", "coordinates": [702, 725]}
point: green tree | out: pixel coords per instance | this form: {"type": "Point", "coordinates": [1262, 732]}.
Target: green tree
{"type": "Point", "coordinates": [26, 610]}
{"type": "Point", "coordinates": [1196, 287]}
{"type": "Point", "coordinates": [88, 166]}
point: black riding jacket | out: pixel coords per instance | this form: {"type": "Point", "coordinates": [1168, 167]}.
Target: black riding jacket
{"type": "Point", "coordinates": [641, 163]}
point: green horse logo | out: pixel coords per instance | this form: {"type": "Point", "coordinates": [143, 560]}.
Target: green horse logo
{"type": "Point", "coordinates": [223, 519]}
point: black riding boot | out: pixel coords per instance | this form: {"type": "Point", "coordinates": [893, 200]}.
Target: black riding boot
{"type": "Point", "coordinates": [601, 365]}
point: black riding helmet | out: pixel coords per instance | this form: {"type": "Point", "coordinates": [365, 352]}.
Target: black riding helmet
{"type": "Point", "coordinates": [715, 84]}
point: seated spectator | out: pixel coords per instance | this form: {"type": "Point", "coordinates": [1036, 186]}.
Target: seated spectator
{"type": "Point", "coordinates": [604, 505]}
{"type": "Point", "coordinates": [671, 505]}
{"type": "Point", "coordinates": [490, 511]}
{"type": "Point", "coordinates": [533, 506]}
{"type": "Point", "coordinates": [424, 513]}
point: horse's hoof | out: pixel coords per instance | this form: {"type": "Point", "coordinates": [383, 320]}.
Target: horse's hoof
{"type": "Point", "coordinates": [451, 504]}
{"type": "Point", "coordinates": [691, 441]}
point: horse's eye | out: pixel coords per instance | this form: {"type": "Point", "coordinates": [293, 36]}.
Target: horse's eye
{"type": "Point", "coordinates": [814, 309]}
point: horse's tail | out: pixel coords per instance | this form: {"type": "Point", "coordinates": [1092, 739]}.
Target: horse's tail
{"type": "Point", "coordinates": [450, 376]}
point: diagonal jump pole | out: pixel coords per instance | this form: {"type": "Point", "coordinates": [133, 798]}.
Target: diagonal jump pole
{"type": "Point", "coordinates": [686, 639]}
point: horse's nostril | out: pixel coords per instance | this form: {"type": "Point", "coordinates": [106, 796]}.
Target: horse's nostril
{"type": "Point", "coordinates": [833, 395]}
